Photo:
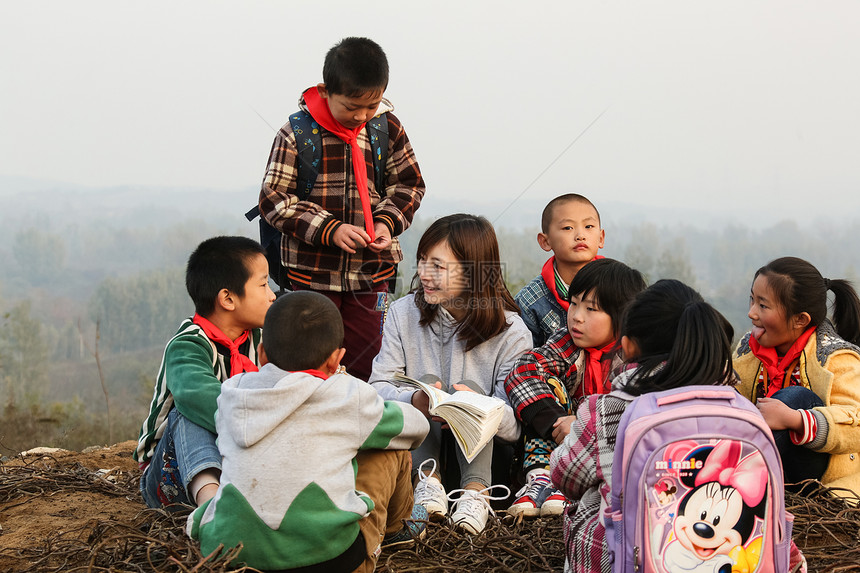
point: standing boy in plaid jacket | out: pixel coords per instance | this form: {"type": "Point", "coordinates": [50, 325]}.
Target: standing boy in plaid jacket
{"type": "Point", "coordinates": [341, 239]}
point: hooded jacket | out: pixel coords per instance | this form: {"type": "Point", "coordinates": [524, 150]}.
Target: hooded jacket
{"type": "Point", "coordinates": [289, 441]}
{"type": "Point", "coordinates": [830, 367]}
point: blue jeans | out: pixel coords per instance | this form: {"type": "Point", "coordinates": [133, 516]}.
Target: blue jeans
{"type": "Point", "coordinates": [799, 462]}
{"type": "Point", "coordinates": [183, 451]}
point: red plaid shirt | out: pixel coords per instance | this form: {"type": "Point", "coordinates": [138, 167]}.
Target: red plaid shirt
{"type": "Point", "coordinates": [308, 226]}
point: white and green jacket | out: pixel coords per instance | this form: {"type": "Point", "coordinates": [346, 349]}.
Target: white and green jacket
{"type": "Point", "coordinates": [190, 377]}
{"type": "Point", "coordinates": [289, 441]}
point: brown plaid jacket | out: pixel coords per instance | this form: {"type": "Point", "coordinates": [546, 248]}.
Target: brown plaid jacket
{"type": "Point", "coordinates": [308, 226]}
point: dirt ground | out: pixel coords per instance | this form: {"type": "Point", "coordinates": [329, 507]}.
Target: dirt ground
{"type": "Point", "coordinates": [28, 520]}
{"type": "Point", "coordinates": [71, 511]}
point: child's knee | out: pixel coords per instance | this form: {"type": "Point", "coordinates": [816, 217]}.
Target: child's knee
{"type": "Point", "coordinates": [798, 398]}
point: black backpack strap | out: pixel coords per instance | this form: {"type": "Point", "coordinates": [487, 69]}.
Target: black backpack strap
{"type": "Point", "coordinates": [309, 153]}
{"type": "Point", "coordinates": [377, 129]}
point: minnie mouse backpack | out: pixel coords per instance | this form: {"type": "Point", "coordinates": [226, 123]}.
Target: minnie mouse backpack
{"type": "Point", "coordinates": [696, 486]}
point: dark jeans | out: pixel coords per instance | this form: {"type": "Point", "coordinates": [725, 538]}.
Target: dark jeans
{"type": "Point", "coordinates": [799, 462]}
{"type": "Point", "coordinates": [363, 314]}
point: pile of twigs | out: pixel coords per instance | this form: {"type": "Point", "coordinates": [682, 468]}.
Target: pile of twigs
{"type": "Point", "coordinates": [506, 545]}
{"type": "Point", "coordinates": [826, 529]}
{"type": "Point", "coordinates": [44, 475]}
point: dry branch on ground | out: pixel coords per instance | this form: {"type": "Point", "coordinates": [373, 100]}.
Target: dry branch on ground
{"type": "Point", "coordinates": [135, 539]}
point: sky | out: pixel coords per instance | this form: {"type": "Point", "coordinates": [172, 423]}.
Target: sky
{"type": "Point", "coordinates": [746, 108]}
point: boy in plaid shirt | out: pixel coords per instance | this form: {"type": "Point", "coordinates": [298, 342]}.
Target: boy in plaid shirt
{"type": "Point", "coordinates": [341, 239]}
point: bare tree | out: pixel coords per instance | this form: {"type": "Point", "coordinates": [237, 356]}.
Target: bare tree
{"type": "Point", "coordinates": [95, 353]}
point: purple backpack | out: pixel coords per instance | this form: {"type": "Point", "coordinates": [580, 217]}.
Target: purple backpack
{"type": "Point", "coordinates": [696, 486]}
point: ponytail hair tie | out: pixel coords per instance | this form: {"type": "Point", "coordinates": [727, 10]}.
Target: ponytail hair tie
{"type": "Point", "coordinates": [827, 284]}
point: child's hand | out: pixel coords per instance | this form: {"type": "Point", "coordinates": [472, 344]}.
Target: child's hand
{"type": "Point", "coordinates": [462, 387]}
{"type": "Point", "coordinates": [421, 402]}
{"type": "Point", "coordinates": [383, 238]}
{"type": "Point", "coordinates": [349, 237]}
{"type": "Point", "coordinates": [779, 416]}
{"type": "Point", "coordinates": [561, 428]}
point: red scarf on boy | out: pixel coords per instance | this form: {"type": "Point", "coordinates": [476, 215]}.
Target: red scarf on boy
{"type": "Point", "coordinates": [596, 370]}
{"type": "Point", "coordinates": [318, 107]}
{"type": "Point", "coordinates": [238, 361]}
{"type": "Point", "coordinates": [774, 365]}
{"type": "Point", "coordinates": [548, 274]}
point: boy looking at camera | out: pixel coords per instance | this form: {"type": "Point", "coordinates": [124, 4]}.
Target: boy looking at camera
{"type": "Point", "coordinates": [570, 228]}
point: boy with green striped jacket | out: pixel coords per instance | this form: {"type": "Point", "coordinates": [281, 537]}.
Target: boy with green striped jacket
{"type": "Point", "coordinates": [228, 281]}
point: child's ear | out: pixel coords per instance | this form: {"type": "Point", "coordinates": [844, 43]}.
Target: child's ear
{"type": "Point", "coordinates": [801, 320]}
{"type": "Point", "coordinates": [543, 241]}
{"type": "Point", "coordinates": [261, 354]}
{"type": "Point", "coordinates": [321, 89]}
{"type": "Point", "coordinates": [602, 239]}
{"type": "Point", "coordinates": [225, 299]}
{"type": "Point", "coordinates": [333, 362]}
{"type": "Point", "coordinates": [629, 348]}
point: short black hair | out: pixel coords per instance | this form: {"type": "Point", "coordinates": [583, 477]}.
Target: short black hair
{"type": "Point", "coordinates": [219, 263]}
{"type": "Point", "coordinates": [354, 67]}
{"type": "Point", "coordinates": [612, 284]}
{"type": "Point", "coordinates": [546, 216]}
{"type": "Point", "coordinates": [301, 330]}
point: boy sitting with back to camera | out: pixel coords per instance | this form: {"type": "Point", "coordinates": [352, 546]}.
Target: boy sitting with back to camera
{"type": "Point", "coordinates": [228, 281]}
{"type": "Point", "coordinates": [339, 236]}
{"type": "Point", "coordinates": [316, 471]}
{"type": "Point", "coordinates": [570, 228]}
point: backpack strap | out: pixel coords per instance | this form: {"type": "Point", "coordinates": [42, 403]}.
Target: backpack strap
{"type": "Point", "coordinates": [308, 150]}
{"type": "Point", "coordinates": [309, 153]}
{"type": "Point", "coordinates": [377, 129]}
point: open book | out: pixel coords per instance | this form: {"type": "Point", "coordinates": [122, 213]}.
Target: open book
{"type": "Point", "coordinates": [473, 418]}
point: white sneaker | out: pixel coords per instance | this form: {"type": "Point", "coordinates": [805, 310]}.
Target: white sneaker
{"type": "Point", "coordinates": [430, 493]}
{"type": "Point", "coordinates": [472, 508]}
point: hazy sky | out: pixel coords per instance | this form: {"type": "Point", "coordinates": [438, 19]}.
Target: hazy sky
{"type": "Point", "coordinates": [725, 105]}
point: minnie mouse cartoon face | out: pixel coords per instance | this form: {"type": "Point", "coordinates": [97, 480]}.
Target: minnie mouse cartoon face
{"type": "Point", "coordinates": [665, 492]}
{"type": "Point", "coordinates": [719, 512]}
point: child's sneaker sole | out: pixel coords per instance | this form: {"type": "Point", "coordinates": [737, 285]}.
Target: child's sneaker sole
{"type": "Point", "coordinates": [526, 509]}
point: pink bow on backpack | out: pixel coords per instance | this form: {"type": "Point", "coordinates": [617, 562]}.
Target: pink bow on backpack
{"type": "Point", "coordinates": [724, 466]}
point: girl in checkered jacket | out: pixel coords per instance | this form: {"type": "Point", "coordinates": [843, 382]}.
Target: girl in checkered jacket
{"type": "Point", "coordinates": [674, 339]}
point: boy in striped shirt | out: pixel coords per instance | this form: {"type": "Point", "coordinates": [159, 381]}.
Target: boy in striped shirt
{"type": "Point", "coordinates": [228, 281]}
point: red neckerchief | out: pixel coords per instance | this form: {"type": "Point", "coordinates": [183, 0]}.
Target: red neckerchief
{"type": "Point", "coordinates": [320, 111]}
{"type": "Point", "coordinates": [238, 361]}
{"type": "Point", "coordinates": [596, 370]}
{"type": "Point", "coordinates": [313, 372]}
{"type": "Point", "coordinates": [773, 364]}
{"type": "Point", "coordinates": [548, 274]}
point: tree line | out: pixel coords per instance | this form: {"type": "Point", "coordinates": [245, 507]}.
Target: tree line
{"type": "Point", "coordinates": [55, 291]}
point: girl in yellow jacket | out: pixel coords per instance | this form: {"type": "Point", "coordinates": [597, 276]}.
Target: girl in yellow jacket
{"type": "Point", "coordinates": [803, 371]}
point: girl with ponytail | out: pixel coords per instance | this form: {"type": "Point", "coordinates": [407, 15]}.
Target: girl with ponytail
{"type": "Point", "coordinates": [803, 370]}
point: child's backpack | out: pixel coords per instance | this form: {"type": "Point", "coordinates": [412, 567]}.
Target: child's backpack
{"type": "Point", "coordinates": [309, 144]}
{"type": "Point", "coordinates": [697, 485]}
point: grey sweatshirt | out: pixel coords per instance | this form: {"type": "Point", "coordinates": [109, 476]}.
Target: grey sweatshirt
{"type": "Point", "coordinates": [415, 350]}
{"type": "Point", "coordinates": [289, 441]}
